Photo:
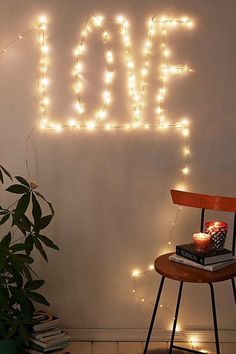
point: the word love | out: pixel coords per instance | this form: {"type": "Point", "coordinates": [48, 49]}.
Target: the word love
{"type": "Point", "coordinates": [136, 84]}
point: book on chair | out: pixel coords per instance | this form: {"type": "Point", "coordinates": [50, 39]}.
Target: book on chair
{"type": "Point", "coordinates": [211, 256]}
{"type": "Point", "coordinates": [210, 268]}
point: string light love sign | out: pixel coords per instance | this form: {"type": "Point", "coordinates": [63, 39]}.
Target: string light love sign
{"type": "Point", "coordinates": [136, 86]}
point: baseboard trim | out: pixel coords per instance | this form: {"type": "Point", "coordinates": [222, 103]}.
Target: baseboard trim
{"type": "Point", "coordinates": [136, 335]}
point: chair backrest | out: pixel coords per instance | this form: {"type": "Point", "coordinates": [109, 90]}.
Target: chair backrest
{"type": "Point", "coordinates": [210, 202]}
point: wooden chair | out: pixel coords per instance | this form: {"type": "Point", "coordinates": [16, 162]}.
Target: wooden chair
{"type": "Point", "coordinates": [183, 273]}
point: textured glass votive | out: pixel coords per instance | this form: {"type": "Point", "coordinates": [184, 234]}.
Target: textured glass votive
{"type": "Point", "coordinates": [218, 232]}
{"type": "Point", "coordinates": [202, 241]}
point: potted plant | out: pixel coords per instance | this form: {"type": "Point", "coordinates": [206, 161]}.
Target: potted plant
{"type": "Point", "coordinates": [22, 231]}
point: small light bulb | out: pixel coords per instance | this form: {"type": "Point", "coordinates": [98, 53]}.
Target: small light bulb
{"type": "Point", "coordinates": [98, 20]}
{"type": "Point", "coordinates": [186, 151]}
{"type": "Point", "coordinates": [79, 107]}
{"type": "Point", "coordinates": [108, 126]}
{"type": "Point", "coordinates": [91, 125]}
{"type": "Point", "coordinates": [185, 171]}
{"type": "Point", "coordinates": [135, 273]}
{"type": "Point", "coordinates": [101, 114]}
{"type": "Point", "coordinates": [43, 19]}
{"type": "Point", "coordinates": [185, 132]}
{"type": "Point", "coordinates": [72, 123]}
{"type": "Point", "coordinates": [151, 267]}
{"type": "Point", "coordinates": [109, 56]}
{"type": "Point", "coordinates": [45, 49]}
{"type": "Point", "coordinates": [44, 81]}
{"type": "Point", "coordinates": [58, 128]}
{"type": "Point", "coordinates": [184, 121]}
{"type": "Point", "coordinates": [166, 52]}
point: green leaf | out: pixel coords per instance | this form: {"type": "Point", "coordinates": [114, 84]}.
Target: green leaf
{"type": "Point", "coordinates": [49, 204]}
{"type": "Point", "coordinates": [2, 259]}
{"type": "Point", "coordinates": [16, 277]}
{"type": "Point", "coordinates": [38, 298]}
{"type": "Point", "coordinates": [6, 172]}
{"type": "Point", "coordinates": [23, 334]}
{"type": "Point", "coordinates": [4, 211]}
{"type": "Point", "coordinates": [4, 219]}
{"type": "Point", "coordinates": [27, 307]}
{"type": "Point", "coordinates": [29, 243]}
{"type": "Point", "coordinates": [18, 247]}
{"type": "Point", "coordinates": [37, 211]}
{"type": "Point", "coordinates": [3, 299]}
{"type": "Point", "coordinates": [3, 330]}
{"type": "Point", "coordinates": [1, 177]}
{"type": "Point", "coordinates": [27, 273]}
{"type": "Point", "coordinates": [40, 248]}
{"type": "Point", "coordinates": [21, 208]}
{"type": "Point", "coordinates": [48, 242]}
{"type": "Point", "coordinates": [17, 189]}
{"type": "Point", "coordinates": [22, 181]}
{"type": "Point", "coordinates": [45, 221]}
{"type": "Point", "coordinates": [23, 258]}
{"type": "Point", "coordinates": [12, 330]}
{"type": "Point", "coordinates": [24, 224]}
{"type": "Point", "coordinates": [5, 242]}
{"type": "Point", "coordinates": [33, 285]}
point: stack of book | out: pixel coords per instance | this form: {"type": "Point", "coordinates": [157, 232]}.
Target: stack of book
{"type": "Point", "coordinates": [46, 336]}
{"type": "Point", "coordinates": [210, 260]}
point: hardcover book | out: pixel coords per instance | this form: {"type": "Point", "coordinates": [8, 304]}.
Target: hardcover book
{"type": "Point", "coordinates": [48, 321]}
{"type": "Point", "coordinates": [37, 348]}
{"type": "Point", "coordinates": [210, 268]}
{"type": "Point", "coordinates": [211, 256]}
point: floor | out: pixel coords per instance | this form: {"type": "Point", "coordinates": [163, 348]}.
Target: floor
{"type": "Point", "coordinates": [137, 348]}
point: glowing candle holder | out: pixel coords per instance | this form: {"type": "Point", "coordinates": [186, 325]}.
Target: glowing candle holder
{"type": "Point", "coordinates": [202, 241]}
{"type": "Point", "coordinates": [218, 232]}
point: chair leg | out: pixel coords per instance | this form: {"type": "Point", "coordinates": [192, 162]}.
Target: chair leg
{"type": "Point", "coordinates": [234, 289]}
{"type": "Point", "coordinates": [214, 318]}
{"type": "Point", "coordinates": [154, 315]}
{"type": "Point", "coordinates": [176, 317]}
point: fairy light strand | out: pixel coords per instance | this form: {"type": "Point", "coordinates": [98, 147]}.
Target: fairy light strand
{"type": "Point", "coordinates": [94, 22]}
{"type": "Point", "coordinates": [136, 96]}
{"type": "Point", "coordinates": [136, 92]}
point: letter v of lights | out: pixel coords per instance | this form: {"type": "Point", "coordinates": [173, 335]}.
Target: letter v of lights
{"type": "Point", "coordinates": [136, 92]}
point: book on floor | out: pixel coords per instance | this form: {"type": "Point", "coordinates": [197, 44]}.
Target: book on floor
{"type": "Point", "coordinates": [47, 321]}
{"type": "Point", "coordinates": [211, 256]}
{"type": "Point", "coordinates": [46, 336]}
{"type": "Point", "coordinates": [46, 333]}
{"type": "Point", "coordinates": [53, 349]}
{"type": "Point", "coordinates": [55, 337]}
{"type": "Point", "coordinates": [210, 268]}
{"type": "Point", "coordinates": [49, 343]}
{"type": "Point", "coordinates": [34, 351]}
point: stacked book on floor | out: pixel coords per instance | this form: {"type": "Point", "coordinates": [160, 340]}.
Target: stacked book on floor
{"type": "Point", "coordinates": [210, 260]}
{"type": "Point", "coordinates": [46, 336]}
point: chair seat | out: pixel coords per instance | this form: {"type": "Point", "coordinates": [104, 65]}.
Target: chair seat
{"type": "Point", "coordinates": [190, 274]}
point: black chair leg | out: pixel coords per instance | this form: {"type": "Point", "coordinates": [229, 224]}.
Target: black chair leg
{"type": "Point", "coordinates": [154, 315]}
{"type": "Point", "coordinates": [215, 319]}
{"type": "Point", "coordinates": [234, 289]}
{"type": "Point", "coordinates": [176, 317]}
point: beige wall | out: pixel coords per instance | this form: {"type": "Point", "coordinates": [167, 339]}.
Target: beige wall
{"type": "Point", "coordinates": [111, 190]}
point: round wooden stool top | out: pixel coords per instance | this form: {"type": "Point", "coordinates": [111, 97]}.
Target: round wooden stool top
{"type": "Point", "coordinates": [190, 274]}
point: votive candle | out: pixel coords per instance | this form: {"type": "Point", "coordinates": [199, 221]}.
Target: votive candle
{"type": "Point", "coordinates": [202, 241]}
{"type": "Point", "coordinates": [218, 232]}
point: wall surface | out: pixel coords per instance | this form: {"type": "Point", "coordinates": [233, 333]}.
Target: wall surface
{"type": "Point", "coordinates": [111, 189]}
